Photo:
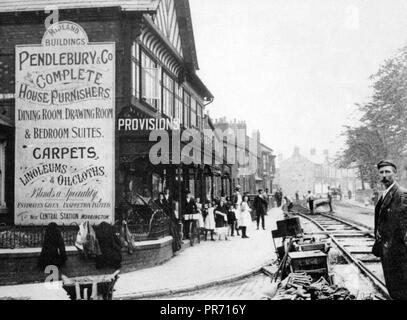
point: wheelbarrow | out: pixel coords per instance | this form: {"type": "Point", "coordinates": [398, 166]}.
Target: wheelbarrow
{"type": "Point", "coordinates": [98, 287]}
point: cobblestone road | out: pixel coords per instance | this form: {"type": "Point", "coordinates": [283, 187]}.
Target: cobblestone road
{"type": "Point", "coordinates": [246, 289]}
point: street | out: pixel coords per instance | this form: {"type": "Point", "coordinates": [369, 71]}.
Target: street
{"type": "Point", "coordinates": [254, 287]}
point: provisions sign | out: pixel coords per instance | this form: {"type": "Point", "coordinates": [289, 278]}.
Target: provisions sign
{"type": "Point", "coordinates": [64, 152]}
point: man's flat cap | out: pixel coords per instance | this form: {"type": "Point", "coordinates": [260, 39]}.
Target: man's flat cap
{"type": "Point", "coordinates": [385, 163]}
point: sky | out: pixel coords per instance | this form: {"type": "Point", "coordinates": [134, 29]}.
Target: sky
{"type": "Point", "coordinates": [294, 68]}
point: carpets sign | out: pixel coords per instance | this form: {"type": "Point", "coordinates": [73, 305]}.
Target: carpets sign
{"type": "Point", "coordinates": [64, 152]}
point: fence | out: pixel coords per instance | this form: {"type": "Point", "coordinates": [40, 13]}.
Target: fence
{"type": "Point", "coordinates": [32, 236]}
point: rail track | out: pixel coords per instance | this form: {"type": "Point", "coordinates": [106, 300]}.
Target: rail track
{"type": "Point", "coordinates": [354, 242]}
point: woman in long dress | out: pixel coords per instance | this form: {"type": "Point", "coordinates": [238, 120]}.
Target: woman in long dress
{"type": "Point", "coordinates": [245, 217]}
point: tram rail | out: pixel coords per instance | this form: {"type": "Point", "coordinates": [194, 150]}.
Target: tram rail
{"type": "Point", "coordinates": [353, 241]}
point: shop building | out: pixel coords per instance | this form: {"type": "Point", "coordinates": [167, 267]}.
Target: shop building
{"type": "Point", "coordinates": [155, 78]}
{"type": "Point", "coordinates": [152, 78]}
{"type": "Point", "coordinates": [257, 170]}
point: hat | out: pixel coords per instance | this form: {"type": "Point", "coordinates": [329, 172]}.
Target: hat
{"type": "Point", "coordinates": [238, 187]}
{"type": "Point", "coordinates": [385, 163]}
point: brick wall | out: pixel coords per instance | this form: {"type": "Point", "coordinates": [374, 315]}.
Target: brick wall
{"type": "Point", "coordinates": [20, 265]}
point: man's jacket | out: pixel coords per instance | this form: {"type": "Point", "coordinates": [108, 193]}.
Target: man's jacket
{"type": "Point", "coordinates": [391, 240]}
{"type": "Point", "coordinates": [260, 205]}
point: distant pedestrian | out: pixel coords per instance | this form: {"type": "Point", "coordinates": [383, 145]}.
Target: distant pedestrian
{"type": "Point", "coordinates": [330, 199]}
{"type": "Point", "coordinates": [189, 208]}
{"type": "Point", "coordinates": [340, 193]}
{"type": "Point", "coordinates": [310, 199]}
{"type": "Point", "coordinates": [174, 222]}
{"type": "Point", "coordinates": [279, 197]}
{"type": "Point", "coordinates": [260, 205]}
{"type": "Point", "coordinates": [237, 196]}
{"type": "Point", "coordinates": [245, 217]}
{"type": "Point", "coordinates": [231, 217]}
{"type": "Point", "coordinates": [267, 198]}
{"type": "Point", "coordinates": [199, 207]}
{"type": "Point", "coordinates": [349, 194]}
{"type": "Point", "coordinates": [289, 203]}
{"type": "Point", "coordinates": [297, 196]}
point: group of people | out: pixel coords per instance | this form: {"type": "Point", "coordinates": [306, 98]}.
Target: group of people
{"type": "Point", "coordinates": [310, 198]}
{"type": "Point", "coordinates": [220, 218]}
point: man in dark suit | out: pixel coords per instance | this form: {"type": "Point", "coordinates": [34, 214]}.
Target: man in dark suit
{"type": "Point", "coordinates": [391, 231]}
{"type": "Point", "coordinates": [330, 199]}
{"type": "Point", "coordinates": [260, 205]}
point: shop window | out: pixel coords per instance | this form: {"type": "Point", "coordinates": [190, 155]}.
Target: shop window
{"type": "Point", "coordinates": [150, 81]}
{"type": "Point", "coordinates": [168, 95]}
{"type": "Point", "coordinates": [178, 114]}
{"type": "Point", "coordinates": [2, 174]}
{"type": "Point", "coordinates": [187, 109]}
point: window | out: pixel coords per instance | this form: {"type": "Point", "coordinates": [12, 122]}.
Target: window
{"type": "Point", "coordinates": [199, 115]}
{"type": "Point", "coordinates": [264, 162]}
{"type": "Point", "coordinates": [135, 65]}
{"type": "Point", "coordinates": [178, 103]}
{"type": "Point", "coordinates": [7, 71]}
{"type": "Point", "coordinates": [150, 81]}
{"type": "Point", "coordinates": [187, 109]}
{"type": "Point", "coordinates": [193, 113]}
{"type": "Point", "coordinates": [168, 95]}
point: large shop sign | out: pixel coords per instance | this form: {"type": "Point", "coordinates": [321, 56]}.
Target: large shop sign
{"type": "Point", "coordinates": [64, 159]}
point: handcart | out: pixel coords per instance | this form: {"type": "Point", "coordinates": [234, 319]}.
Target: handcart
{"type": "Point", "coordinates": [99, 287]}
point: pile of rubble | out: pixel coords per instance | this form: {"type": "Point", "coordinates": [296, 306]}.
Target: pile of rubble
{"type": "Point", "coordinates": [299, 286]}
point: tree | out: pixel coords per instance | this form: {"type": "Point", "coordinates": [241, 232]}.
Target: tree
{"type": "Point", "coordinates": [364, 148]}
{"type": "Point", "coordinates": [383, 129]}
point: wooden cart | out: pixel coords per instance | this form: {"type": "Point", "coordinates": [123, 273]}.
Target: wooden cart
{"type": "Point", "coordinates": [98, 287]}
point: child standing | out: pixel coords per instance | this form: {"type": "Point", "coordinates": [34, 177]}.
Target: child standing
{"type": "Point", "coordinates": [209, 219]}
{"type": "Point", "coordinates": [221, 219]}
{"type": "Point", "coordinates": [199, 212]}
{"type": "Point", "coordinates": [231, 219]}
{"type": "Point", "coordinates": [245, 217]}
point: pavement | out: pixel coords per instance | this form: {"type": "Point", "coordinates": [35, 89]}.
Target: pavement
{"type": "Point", "coordinates": [358, 204]}
{"type": "Point", "coordinates": [201, 266]}
{"type": "Point", "coordinates": [355, 212]}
